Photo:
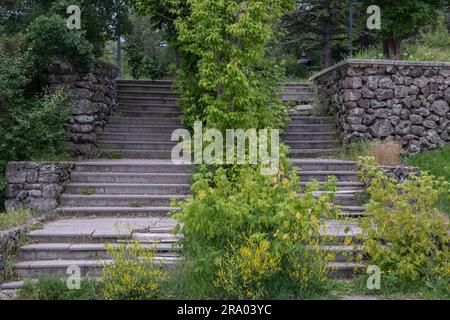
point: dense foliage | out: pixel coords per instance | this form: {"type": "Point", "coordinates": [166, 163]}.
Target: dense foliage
{"type": "Point", "coordinates": [147, 53]}
{"type": "Point", "coordinates": [407, 237]}
{"type": "Point", "coordinates": [239, 224]}
{"type": "Point", "coordinates": [135, 275]}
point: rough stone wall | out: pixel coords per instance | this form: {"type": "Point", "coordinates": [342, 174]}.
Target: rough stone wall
{"type": "Point", "coordinates": [95, 95]}
{"type": "Point", "coordinates": [377, 99]}
{"type": "Point", "coordinates": [10, 242]}
{"type": "Point", "coordinates": [36, 186]}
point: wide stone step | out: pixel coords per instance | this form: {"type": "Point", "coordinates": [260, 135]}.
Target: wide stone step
{"type": "Point", "coordinates": [144, 121]}
{"type": "Point", "coordinates": [145, 82]}
{"type": "Point", "coordinates": [353, 211]}
{"type": "Point", "coordinates": [149, 108]}
{"type": "Point", "coordinates": [123, 92]}
{"type": "Point", "coordinates": [346, 270]}
{"type": "Point", "coordinates": [305, 128]}
{"type": "Point", "coordinates": [297, 97]}
{"type": "Point", "coordinates": [319, 144]}
{"type": "Point", "coordinates": [322, 176]}
{"type": "Point", "coordinates": [127, 189]}
{"type": "Point", "coordinates": [344, 253]}
{"type": "Point", "coordinates": [299, 120]}
{"type": "Point", "coordinates": [119, 200]}
{"type": "Point", "coordinates": [342, 186]}
{"type": "Point", "coordinates": [298, 89]}
{"type": "Point", "coordinates": [139, 154]}
{"type": "Point", "coordinates": [136, 145]}
{"type": "Point", "coordinates": [116, 212]}
{"type": "Point", "coordinates": [144, 87]}
{"type": "Point", "coordinates": [88, 268]}
{"type": "Point", "coordinates": [149, 100]}
{"type": "Point", "coordinates": [309, 153]}
{"type": "Point", "coordinates": [86, 251]}
{"type": "Point", "coordinates": [308, 136]}
{"type": "Point", "coordinates": [132, 166]}
{"type": "Point", "coordinates": [149, 114]}
{"type": "Point", "coordinates": [324, 165]}
{"type": "Point", "coordinates": [169, 129]}
{"type": "Point", "coordinates": [119, 177]}
{"type": "Point", "coordinates": [149, 137]}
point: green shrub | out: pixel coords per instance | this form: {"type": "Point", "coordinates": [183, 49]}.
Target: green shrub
{"type": "Point", "coordinates": [134, 275]}
{"type": "Point", "coordinates": [406, 236]}
{"type": "Point", "coordinates": [47, 288]}
{"type": "Point", "coordinates": [237, 208]}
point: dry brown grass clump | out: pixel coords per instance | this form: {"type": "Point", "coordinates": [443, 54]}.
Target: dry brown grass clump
{"type": "Point", "coordinates": [386, 152]}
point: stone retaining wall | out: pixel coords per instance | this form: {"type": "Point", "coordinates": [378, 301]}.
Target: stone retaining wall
{"type": "Point", "coordinates": [95, 94]}
{"type": "Point", "coordinates": [36, 186]}
{"type": "Point", "coordinates": [10, 242]}
{"type": "Point", "coordinates": [377, 99]}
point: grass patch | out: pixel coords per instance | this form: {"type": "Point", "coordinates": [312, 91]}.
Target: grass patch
{"type": "Point", "coordinates": [352, 151]}
{"type": "Point", "coordinates": [16, 218]}
{"type": "Point", "coordinates": [391, 290]}
{"type": "Point", "coordinates": [87, 191]}
{"type": "Point", "coordinates": [114, 155]}
{"type": "Point", "coordinates": [437, 163]}
{"type": "Point", "coordinates": [48, 288]}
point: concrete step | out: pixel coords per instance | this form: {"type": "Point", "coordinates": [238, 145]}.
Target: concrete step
{"type": "Point", "coordinates": [89, 268]}
{"type": "Point", "coordinates": [124, 92]}
{"type": "Point", "coordinates": [309, 153]}
{"type": "Point", "coordinates": [149, 100]}
{"type": "Point", "coordinates": [149, 114]}
{"type": "Point", "coordinates": [144, 87]}
{"type": "Point", "coordinates": [121, 121]}
{"type": "Point", "coordinates": [352, 211]}
{"type": "Point", "coordinates": [149, 137]}
{"type": "Point", "coordinates": [322, 176]}
{"type": "Point", "coordinates": [324, 165]}
{"type": "Point", "coordinates": [299, 120]}
{"type": "Point", "coordinates": [148, 107]}
{"type": "Point", "coordinates": [345, 270]}
{"type": "Point", "coordinates": [304, 128]}
{"type": "Point", "coordinates": [139, 154]}
{"type": "Point", "coordinates": [342, 186]}
{"type": "Point", "coordinates": [344, 253]}
{"type": "Point", "coordinates": [144, 178]}
{"type": "Point", "coordinates": [136, 145]}
{"type": "Point", "coordinates": [297, 97]}
{"type": "Point", "coordinates": [308, 136]}
{"type": "Point", "coordinates": [319, 144]}
{"type": "Point", "coordinates": [119, 200]}
{"type": "Point", "coordinates": [127, 189]}
{"type": "Point", "coordinates": [168, 129]}
{"type": "Point", "coordinates": [86, 251]}
{"type": "Point", "coordinates": [144, 82]}
{"type": "Point", "coordinates": [116, 211]}
{"type": "Point", "coordinates": [345, 200]}
{"type": "Point", "coordinates": [131, 166]}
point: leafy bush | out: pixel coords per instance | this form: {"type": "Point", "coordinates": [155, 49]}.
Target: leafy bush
{"type": "Point", "coordinates": [237, 210]}
{"type": "Point", "coordinates": [47, 37]}
{"type": "Point", "coordinates": [134, 274]}
{"type": "Point", "coordinates": [47, 288]}
{"type": "Point", "coordinates": [407, 237]}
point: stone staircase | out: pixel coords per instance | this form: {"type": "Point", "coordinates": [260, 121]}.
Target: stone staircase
{"type": "Point", "coordinates": [120, 200]}
{"type": "Point", "coordinates": [117, 200]}
{"type": "Point", "coordinates": [312, 141]}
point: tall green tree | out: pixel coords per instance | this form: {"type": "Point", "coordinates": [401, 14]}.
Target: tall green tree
{"type": "Point", "coordinates": [401, 19]}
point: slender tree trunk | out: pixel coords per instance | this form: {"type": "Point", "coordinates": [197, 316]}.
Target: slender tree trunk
{"type": "Point", "coordinates": [392, 48]}
{"type": "Point", "coordinates": [327, 38]}
{"type": "Point", "coordinates": [119, 56]}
